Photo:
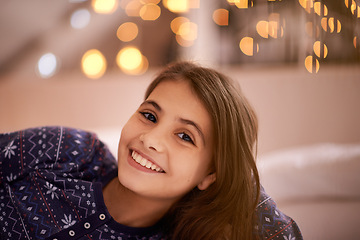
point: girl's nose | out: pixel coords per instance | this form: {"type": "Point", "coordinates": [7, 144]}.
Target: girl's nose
{"type": "Point", "coordinates": [153, 139]}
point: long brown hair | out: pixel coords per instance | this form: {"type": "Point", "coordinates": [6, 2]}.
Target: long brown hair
{"type": "Point", "coordinates": [225, 210]}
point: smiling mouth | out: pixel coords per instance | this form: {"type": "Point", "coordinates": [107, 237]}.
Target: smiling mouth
{"type": "Point", "coordinates": [146, 163]}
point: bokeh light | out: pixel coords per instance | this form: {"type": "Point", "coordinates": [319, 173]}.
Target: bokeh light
{"type": "Point", "coordinates": [150, 1]}
{"type": "Point", "coordinates": [47, 65]}
{"type": "Point", "coordinates": [318, 47]}
{"type": "Point", "coordinates": [307, 4]}
{"type": "Point", "coordinates": [80, 18]}
{"type": "Point", "coordinates": [104, 6]}
{"type": "Point", "coordinates": [247, 46]}
{"type": "Point", "coordinates": [334, 24]}
{"type": "Point", "coordinates": [150, 12]}
{"type": "Point", "coordinates": [243, 3]}
{"type": "Point", "coordinates": [93, 64]}
{"type": "Point", "coordinates": [131, 61]}
{"type": "Point", "coordinates": [177, 6]}
{"type": "Point", "coordinates": [188, 31]}
{"type": "Point", "coordinates": [312, 65]}
{"type": "Point", "coordinates": [355, 42]}
{"type": "Point", "coordinates": [320, 9]}
{"type": "Point", "coordinates": [221, 17]}
{"type": "Point", "coordinates": [132, 9]}
{"type": "Point", "coordinates": [176, 23]}
{"type": "Point", "coordinates": [127, 31]}
{"type": "Point", "coordinates": [262, 28]}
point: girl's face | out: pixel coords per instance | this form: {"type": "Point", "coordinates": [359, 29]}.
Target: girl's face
{"type": "Point", "coordinates": [165, 148]}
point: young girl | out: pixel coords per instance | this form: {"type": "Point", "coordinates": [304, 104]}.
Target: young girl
{"type": "Point", "coordinates": [185, 170]}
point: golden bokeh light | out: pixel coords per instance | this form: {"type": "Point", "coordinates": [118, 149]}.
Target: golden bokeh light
{"type": "Point", "coordinates": [355, 42]}
{"type": "Point", "coordinates": [131, 61]}
{"type": "Point", "coordinates": [324, 23]}
{"type": "Point", "coordinates": [188, 31]}
{"type": "Point", "coordinates": [274, 27]}
{"type": "Point", "coordinates": [150, 1]}
{"type": "Point", "coordinates": [221, 17]}
{"type": "Point", "coordinates": [183, 42]}
{"type": "Point", "coordinates": [132, 8]}
{"type": "Point", "coordinates": [176, 23]}
{"type": "Point", "coordinates": [150, 12]}
{"type": "Point", "coordinates": [320, 9]}
{"type": "Point", "coordinates": [353, 7]}
{"type": "Point", "coordinates": [334, 24]}
{"type": "Point", "coordinates": [312, 64]}
{"type": "Point", "coordinates": [127, 31]}
{"type": "Point", "coordinates": [318, 46]}
{"type": "Point", "coordinates": [307, 4]}
{"type": "Point", "coordinates": [247, 46]}
{"type": "Point", "coordinates": [262, 28]}
{"type": "Point", "coordinates": [177, 6]}
{"type": "Point", "coordinates": [93, 64]}
{"type": "Point", "coordinates": [104, 6]}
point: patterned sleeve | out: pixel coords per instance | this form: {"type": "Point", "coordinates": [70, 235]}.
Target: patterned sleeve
{"type": "Point", "coordinates": [61, 150]}
{"type": "Point", "coordinates": [273, 224]}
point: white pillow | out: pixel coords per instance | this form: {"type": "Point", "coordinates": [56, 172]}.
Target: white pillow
{"type": "Point", "coordinates": [318, 171]}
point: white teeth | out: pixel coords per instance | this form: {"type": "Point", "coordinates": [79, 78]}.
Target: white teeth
{"type": "Point", "coordinates": [144, 162]}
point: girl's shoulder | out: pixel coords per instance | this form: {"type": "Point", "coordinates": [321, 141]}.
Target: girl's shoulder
{"type": "Point", "coordinates": [272, 223]}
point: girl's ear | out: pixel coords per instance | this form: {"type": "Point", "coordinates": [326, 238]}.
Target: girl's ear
{"type": "Point", "coordinates": [207, 181]}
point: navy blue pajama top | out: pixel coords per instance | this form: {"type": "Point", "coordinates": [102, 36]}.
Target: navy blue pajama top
{"type": "Point", "coordinates": [51, 181]}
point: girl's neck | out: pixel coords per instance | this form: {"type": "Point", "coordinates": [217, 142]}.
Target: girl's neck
{"type": "Point", "coordinates": [130, 209]}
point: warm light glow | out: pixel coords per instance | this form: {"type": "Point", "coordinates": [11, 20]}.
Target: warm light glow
{"type": "Point", "coordinates": [188, 31]}
{"type": "Point", "coordinates": [150, 1]}
{"type": "Point", "coordinates": [274, 26]}
{"type": "Point", "coordinates": [221, 17]}
{"type": "Point", "coordinates": [332, 26]}
{"type": "Point", "coordinates": [318, 6]}
{"type": "Point", "coordinates": [324, 23]}
{"type": "Point", "coordinates": [182, 42]}
{"type": "Point", "coordinates": [347, 3]}
{"type": "Point", "coordinates": [353, 7]}
{"type": "Point", "coordinates": [93, 64]}
{"type": "Point", "coordinates": [247, 46]}
{"type": "Point", "coordinates": [176, 23]}
{"type": "Point", "coordinates": [104, 6]}
{"type": "Point", "coordinates": [242, 3]}
{"type": "Point", "coordinates": [317, 49]}
{"type": "Point", "coordinates": [355, 42]}
{"type": "Point", "coordinates": [307, 4]}
{"type": "Point", "coordinates": [150, 12]}
{"type": "Point", "coordinates": [132, 9]}
{"type": "Point", "coordinates": [177, 6]}
{"type": "Point", "coordinates": [262, 28]}
{"type": "Point", "coordinates": [47, 65]}
{"type": "Point", "coordinates": [80, 18]}
{"type": "Point", "coordinates": [127, 31]}
{"type": "Point", "coordinates": [309, 64]}
{"type": "Point", "coordinates": [131, 61]}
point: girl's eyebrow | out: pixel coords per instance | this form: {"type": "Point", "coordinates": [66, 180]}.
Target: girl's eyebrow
{"type": "Point", "coordinates": [182, 120]}
{"type": "Point", "coordinates": [154, 104]}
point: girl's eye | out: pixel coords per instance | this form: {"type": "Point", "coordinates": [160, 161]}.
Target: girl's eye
{"type": "Point", "coordinates": [149, 116]}
{"type": "Point", "coordinates": [185, 137]}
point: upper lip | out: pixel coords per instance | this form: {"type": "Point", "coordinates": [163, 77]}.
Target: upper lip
{"type": "Point", "coordinates": [147, 157]}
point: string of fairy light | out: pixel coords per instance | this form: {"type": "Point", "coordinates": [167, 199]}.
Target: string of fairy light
{"type": "Point", "coordinates": [130, 59]}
